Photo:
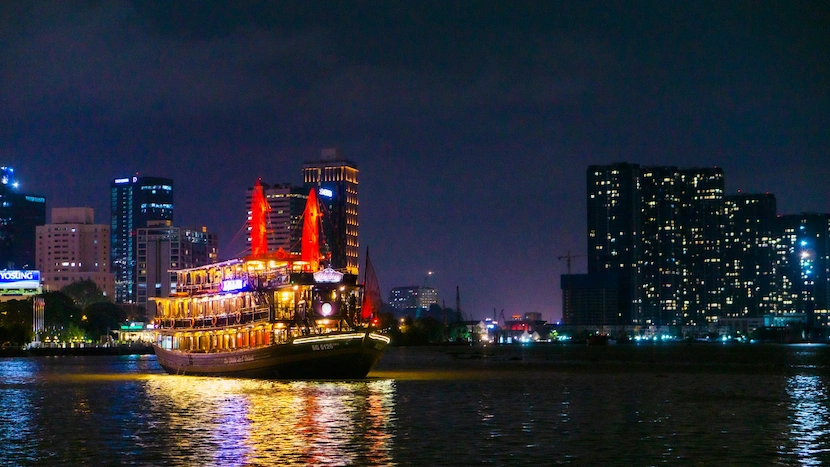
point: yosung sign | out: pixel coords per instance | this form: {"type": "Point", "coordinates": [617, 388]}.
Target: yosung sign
{"type": "Point", "coordinates": [17, 282]}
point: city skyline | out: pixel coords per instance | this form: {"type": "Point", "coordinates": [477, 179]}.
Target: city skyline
{"type": "Point", "coordinates": [472, 123]}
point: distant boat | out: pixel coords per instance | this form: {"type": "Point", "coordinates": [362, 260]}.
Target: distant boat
{"type": "Point", "coordinates": [270, 315]}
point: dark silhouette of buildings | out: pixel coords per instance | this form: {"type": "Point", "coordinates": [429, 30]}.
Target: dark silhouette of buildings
{"type": "Point", "coordinates": [335, 178]}
{"type": "Point", "coordinates": [134, 202]}
{"type": "Point", "coordinates": [749, 258]}
{"type": "Point", "coordinates": [684, 254]}
{"type": "Point", "coordinates": [20, 214]}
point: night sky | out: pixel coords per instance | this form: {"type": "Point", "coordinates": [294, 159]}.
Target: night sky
{"type": "Point", "coordinates": [472, 123]}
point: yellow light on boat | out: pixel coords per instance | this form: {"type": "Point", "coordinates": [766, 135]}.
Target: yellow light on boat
{"type": "Point", "coordinates": [339, 337]}
{"type": "Point", "coordinates": [378, 337]}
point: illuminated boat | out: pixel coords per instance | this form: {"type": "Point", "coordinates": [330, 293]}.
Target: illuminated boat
{"type": "Point", "coordinates": [270, 315]}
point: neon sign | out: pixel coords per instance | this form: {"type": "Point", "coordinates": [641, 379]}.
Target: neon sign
{"type": "Point", "coordinates": [328, 275]}
{"type": "Point", "coordinates": [326, 192]}
{"type": "Point", "coordinates": [232, 284]}
{"type": "Point", "coordinates": [15, 282]}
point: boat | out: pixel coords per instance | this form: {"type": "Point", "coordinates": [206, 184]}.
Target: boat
{"type": "Point", "coordinates": [276, 314]}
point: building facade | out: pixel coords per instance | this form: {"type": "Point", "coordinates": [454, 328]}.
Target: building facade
{"type": "Point", "coordinates": [134, 201]}
{"type": "Point", "coordinates": [162, 248]}
{"type": "Point", "coordinates": [284, 220]}
{"type": "Point", "coordinates": [335, 178]}
{"type": "Point", "coordinates": [659, 229]}
{"type": "Point", "coordinates": [614, 242]}
{"type": "Point", "coordinates": [701, 235]}
{"type": "Point", "coordinates": [749, 244]}
{"type": "Point", "coordinates": [73, 248]}
{"type": "Point", "coordinates": [801, 282]}
{"type": "Point", "coordinates": [590, 299]}
{"type": "Point", "coordinates": [413, 298]}
{"type": "Point", "coordinates": [687, 255]}
{"type": "Point", "coordinates": [20, 214]}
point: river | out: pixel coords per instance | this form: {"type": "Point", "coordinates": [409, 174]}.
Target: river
{"type": "Point", "coordinates": [701, 404]}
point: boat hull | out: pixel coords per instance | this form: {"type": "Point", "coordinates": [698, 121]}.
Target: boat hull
{"type": "Point", "coordinates": [348, 355]}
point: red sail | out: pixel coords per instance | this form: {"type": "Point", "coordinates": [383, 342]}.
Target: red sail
{"type": "Point", "coordinates": [311, 234]}
{"type": "Point", "coordinates": [259, 210]}
{"type": "Point", "coordinates": [371, 292]}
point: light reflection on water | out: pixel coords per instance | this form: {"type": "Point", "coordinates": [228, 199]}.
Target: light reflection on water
{"type": "Point", "coordinates": [15, 407]}
{"type": "Point", "coordinates": [810, 419]}
{"type": "Point", "coordinates": [712, 406]}
{"type": "Point", "coordinates": [252, 422]}
{"type": "Point", "coordinates": [64, 413]}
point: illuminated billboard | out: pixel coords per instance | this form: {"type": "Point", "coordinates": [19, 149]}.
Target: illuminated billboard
{"type": "Point", "coordinates": [16, 282]}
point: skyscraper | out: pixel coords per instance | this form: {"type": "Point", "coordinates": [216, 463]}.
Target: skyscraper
{"type": "Point", "coordinates": [659, 229]}
{"type": "Point", "coordinates": [20, 214]}
{"type": "Point", "coordinates": [702, 230]}
{"type": "Point", "coordinates": [284, 228]}
{"type": "Point", "coordinates": [614, 211]}
{"type": "Point", "coordinates": [73, 248]}
{"type": "Point", "coordinates": [335, 178]}
{"type": "Point", "coordinates": [802, 262]}
{"type": "Point", "coordinates": [749, 254]}
{"type": "Point", "coordinates": [661, 246]}
{"type": "Point", "coordinates": [162, 248]}
{"type": "Point", "coordinates": [134, 202]}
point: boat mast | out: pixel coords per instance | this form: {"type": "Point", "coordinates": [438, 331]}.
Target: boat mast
{"type": "Point", "coordinates": [311, 231]}
{"type": "Point", "coordinates": [259, 211]}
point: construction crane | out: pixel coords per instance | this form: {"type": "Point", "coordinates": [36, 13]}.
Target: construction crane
{"type": "Point", "coordinates": [568, 259]}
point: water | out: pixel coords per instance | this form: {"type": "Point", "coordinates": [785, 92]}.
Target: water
{"type": "Point", "coordinates": [704, 404]}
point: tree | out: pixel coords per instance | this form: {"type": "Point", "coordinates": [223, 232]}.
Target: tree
{"type": "Point", "coordinates": [84, 293]}
{"type": "Point", "coordinates": [432, 329]}
{"type": "Point", "coordinates": [435, 311]}
{"type": "Point", "coordinates": [16, 312]}
{"type": "Point", "coordinates": [59, 312]}
{"type": "Point", "coordinates": [72, 332]}
{"type": "Point", "coordinates": [387, 322]}
{"type": "Point", "coordinates": [16, 322]}
{"type": "Point", "coordinates": [458, 332]}
{"type": "Point", "coordinates": [101, 318]}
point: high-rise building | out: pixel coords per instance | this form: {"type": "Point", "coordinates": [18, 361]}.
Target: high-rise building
{"type": "Point", "coordinates": [659, 229]}
{"type": "Point", "coordinates": [284, 220]}
{"type": "Point", "coordinates": [748, 254]}
{"type": "Point", "coordinates": [590, 299]}
{"type": "Point", "coordinates": [413, 297]}
{"type": "Point", "coordinates": [162, 248]}
{"type": "Point", "coordinates": [702, 233]}
{"type": "Point", "coordinates": [134, 202]}
{"type": "Point", "coordinates": [73, 248]}
{"type": "Point", "coordinates": [614, 233]}
{"type": "Point", "coordinates": [335, 178]}
{"type": "Point", "coordinates": [660, 266]}
{"type": "Point", "coordinates": [802, 284]}
{"type": "Point", "coordinates": [20, 214]}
